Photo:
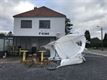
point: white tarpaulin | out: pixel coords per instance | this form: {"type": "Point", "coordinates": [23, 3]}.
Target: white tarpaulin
{"type": "Point", "coordinates": [68, 48]}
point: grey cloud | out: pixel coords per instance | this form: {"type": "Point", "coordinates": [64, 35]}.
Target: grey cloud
{"type": "Point", "coordinates": [4, 23]}
{"type": "Point", "coordinates": [81, 12]}
{"type": "Point", "coordinates": [93, 18]}
{"type": "Point", "coordinates": [6, 13]}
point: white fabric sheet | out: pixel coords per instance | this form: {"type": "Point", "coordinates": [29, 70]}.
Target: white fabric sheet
{"type": "Point", "coordinates": [69, 49]}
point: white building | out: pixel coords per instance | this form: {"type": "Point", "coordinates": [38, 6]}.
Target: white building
{"type": "Point", "coordinates": [38, 26]}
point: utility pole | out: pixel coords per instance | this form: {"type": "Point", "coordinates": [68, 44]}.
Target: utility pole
{"type": "Point", "coordinates": [101, 37]}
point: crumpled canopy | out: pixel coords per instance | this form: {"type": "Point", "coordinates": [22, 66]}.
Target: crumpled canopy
{"type": "Point", "coordinates": [69, 48]}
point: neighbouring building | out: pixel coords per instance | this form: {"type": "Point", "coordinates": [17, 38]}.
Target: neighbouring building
{"type": "Point", "coordinates": [38, 26]}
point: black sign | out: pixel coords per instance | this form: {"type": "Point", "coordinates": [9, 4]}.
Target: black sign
{"type": "Point", "coordinates": [43, 33]}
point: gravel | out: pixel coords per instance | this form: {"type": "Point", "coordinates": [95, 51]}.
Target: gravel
{"type": "Point", "coordinates": [95, 68]}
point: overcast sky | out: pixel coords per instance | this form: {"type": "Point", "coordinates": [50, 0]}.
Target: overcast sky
{"type": "Point", "coordinates": [84, 14]}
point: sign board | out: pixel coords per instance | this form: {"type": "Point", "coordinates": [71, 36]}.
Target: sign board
{"type": "Point", "coordinates": [43, 33]}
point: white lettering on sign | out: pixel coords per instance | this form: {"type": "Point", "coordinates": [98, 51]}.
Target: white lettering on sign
{"type": "Point", "coordinates": [43, 33]}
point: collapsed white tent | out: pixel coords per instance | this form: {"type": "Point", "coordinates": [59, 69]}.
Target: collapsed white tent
{"type": "Point", "coordinates": [68, 49]}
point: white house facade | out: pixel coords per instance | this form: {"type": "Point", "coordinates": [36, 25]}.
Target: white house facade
{"type": "Point", "coordinates": [38, 26]}
{"type": "Point", "coordinates": [57, 26]}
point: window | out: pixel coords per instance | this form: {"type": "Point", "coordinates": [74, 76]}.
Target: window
{"type": "Point", "coordinates": [26, 23]}
{"type": "Point", "coordinates": [44, 24]}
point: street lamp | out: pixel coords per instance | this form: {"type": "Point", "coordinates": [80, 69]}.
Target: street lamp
{"type": "Point", "coordinates": [101, 37]}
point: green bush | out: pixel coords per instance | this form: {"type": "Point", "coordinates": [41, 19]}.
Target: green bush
{"type": "Point", "coordinates": [95, 42]}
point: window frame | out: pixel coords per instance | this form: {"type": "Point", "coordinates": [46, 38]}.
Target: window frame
{"type": "Point", "coordinates": [41, 22]}
{"type": "Point", "coordinates": [25, 23]}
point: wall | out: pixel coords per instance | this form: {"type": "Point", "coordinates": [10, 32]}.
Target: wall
{"type": "Point", "coordinates": [57, 27]}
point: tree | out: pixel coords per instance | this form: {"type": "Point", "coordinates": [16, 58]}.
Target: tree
{"type": "Point", "coordinates": [2, 34]}
{"type": "Point", "coordinates": [10, 34]}
{"type": "Point", "coordinates": [87, 36]}
{"type": "Point", "coordinates": [95, 42]}
{"type": "Point", "coordinates": [105, 40]}
{"type": "Point", "coordinates": [68, 26]}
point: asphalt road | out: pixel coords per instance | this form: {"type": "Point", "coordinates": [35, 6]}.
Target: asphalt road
{"type": "Point", "coordinates": [95, 68]}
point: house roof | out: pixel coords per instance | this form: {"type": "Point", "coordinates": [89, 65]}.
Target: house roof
{"type": "Point", "coordinates": [40, 12]}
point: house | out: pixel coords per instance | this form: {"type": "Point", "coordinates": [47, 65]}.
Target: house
{"type": "Point", "coordinates": [38, 26]}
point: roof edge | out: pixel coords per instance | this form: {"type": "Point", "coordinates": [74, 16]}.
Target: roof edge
{"type": "Point", "coordinates": [26, 14]}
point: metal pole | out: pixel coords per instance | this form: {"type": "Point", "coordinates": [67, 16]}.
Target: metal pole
{"type": "Point", "coordinates": [4, 44]}
{"type": "Point", "coordinates": [101, 38]}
